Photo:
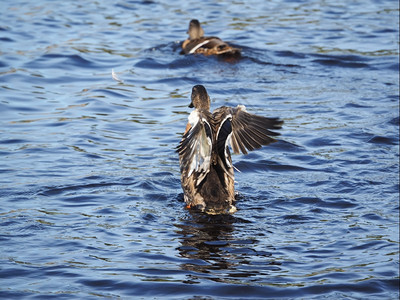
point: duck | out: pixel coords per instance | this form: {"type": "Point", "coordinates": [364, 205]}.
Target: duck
{"type": "Point", "coordinates": [207, 172]}
{"type": "Point", "coordinates": [199, 44]}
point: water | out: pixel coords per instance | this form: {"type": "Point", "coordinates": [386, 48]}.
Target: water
{"type": "Point", "coordinates": [91, 204]}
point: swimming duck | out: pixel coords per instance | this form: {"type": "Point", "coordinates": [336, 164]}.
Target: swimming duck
{"type": "Point", "coordinates": [198, 43]}
{"type": "Point", "coordinates": [207, 174]}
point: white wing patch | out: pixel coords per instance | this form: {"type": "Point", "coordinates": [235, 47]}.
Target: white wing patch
{"type": "Point", "coordinates": [198, 46]}
{"type": "Point", "coordinates": [201, 150]}
{"type": "Point", "coordinates": [242, 107]}
{"type": "Point", "coordinates": [200, 146]}
{"type": "Point", "coordinates": [194, 118]}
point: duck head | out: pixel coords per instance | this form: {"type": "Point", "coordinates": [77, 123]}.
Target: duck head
{"type": "Point", "coordinates": [200, 98]}
{"type": "Point", "coordinates": [195, 31]}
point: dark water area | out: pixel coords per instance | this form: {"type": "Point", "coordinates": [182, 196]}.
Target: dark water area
{"type": "Point", "coordinates": [91, 203]}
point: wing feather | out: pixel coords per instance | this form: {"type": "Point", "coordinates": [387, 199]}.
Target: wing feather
{"type": "Point", "coordinates": [195, 147]}
{"type": "Point", "coordinates": [223, 136]}
{"type": "Point", "coordinates": [234, 144]}
{"type": "Point", "coordinates": [250, 131]}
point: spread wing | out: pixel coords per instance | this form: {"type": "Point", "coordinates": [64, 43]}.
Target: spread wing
{"type": "Point", "coordinates": [196, 146]}
{"type": "Point", "coordinates": [247, 131]}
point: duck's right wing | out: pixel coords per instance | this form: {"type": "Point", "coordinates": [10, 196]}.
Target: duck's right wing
{"type": "Point", "coordinates": [251, 131]}
{"type": "Point", "coordinates": [244, 131]}
{"type": "Point", "coordinates": [195, 147]}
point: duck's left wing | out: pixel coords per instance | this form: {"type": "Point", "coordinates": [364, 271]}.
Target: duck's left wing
{"type": "Point", "coordinates": [195, 147]}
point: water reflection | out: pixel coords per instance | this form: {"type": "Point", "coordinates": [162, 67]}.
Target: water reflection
{"type": "Point", "coordinates": [215, 251]}
{"type": "Point", "coordinates": [204, 241]}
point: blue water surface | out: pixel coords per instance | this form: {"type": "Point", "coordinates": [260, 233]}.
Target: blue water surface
{"type": "Point", "coordinates": [91, 203]}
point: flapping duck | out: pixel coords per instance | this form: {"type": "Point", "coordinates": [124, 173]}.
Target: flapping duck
{"type": "Point", "coordinates": [198, 43]}
{"type": "Point", "coordinates": [207, 174]}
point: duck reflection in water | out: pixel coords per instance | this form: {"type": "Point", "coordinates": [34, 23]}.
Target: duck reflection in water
{"type": "Point", "coordinates": [203, 241]}
{"type": "Point", "coordinates": [215, 252]}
